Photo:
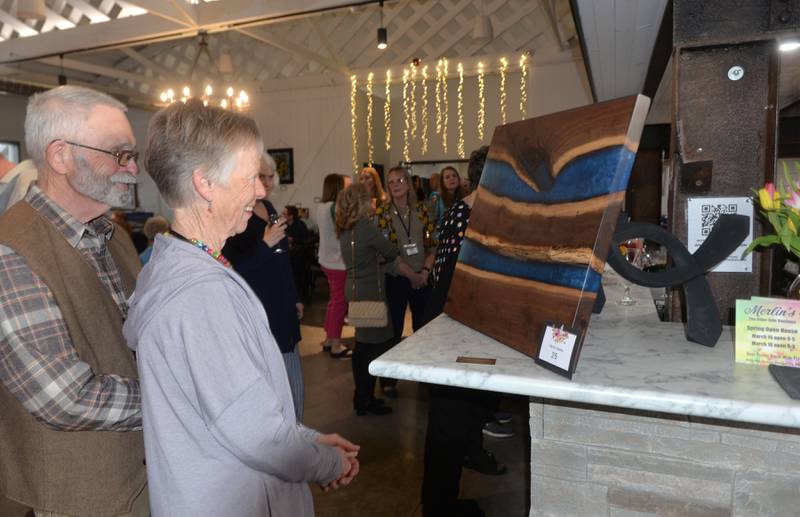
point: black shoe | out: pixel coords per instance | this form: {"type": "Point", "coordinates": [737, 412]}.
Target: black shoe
{"type": "Point", "coordinates": [485, 464]}
{"type": "Point", "coordinates": [458, 508]}
{"type": "Point", "coordinates": [374, 408]}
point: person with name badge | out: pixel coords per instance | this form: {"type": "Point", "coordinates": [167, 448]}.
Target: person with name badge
{"type": "Point", "coordinates": [405, 222]}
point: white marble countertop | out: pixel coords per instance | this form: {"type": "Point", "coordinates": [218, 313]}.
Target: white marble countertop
{"type": "Point", "coordinates": [630, 359]}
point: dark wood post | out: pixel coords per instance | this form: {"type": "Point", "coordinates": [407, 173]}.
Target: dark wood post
{"type": "Point", "coordinates": [725, 84]}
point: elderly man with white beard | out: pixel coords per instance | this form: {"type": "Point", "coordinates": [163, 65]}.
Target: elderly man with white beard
{"type": "Point", "coordinates": [70, 432]}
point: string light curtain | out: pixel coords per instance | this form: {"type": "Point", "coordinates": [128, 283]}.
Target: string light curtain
{"type": "Point", "coordinates": [387, 110]}
{"type": "Point", "coordinates": [460, 108]}
{"type": "Point", "coordinates": [353, 92]}
{"type": "Point", "coordinates": [406, 118]}
{"type": "Point", "coordinates": [424, 148]}
{"type": "Point", "coordinates": [415, 114]}
{"type": "Point", "coordinates": [503, 69]}
{"type": "Point", "coordinates": [370, 148]}
{"type": "Point", "coordinates": [523, 85]}
{"type": "Point", "coordinates": [481, 102]}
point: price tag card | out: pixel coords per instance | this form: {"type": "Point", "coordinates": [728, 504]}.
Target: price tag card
{"type": "Point", "coordinates": [558, 349]}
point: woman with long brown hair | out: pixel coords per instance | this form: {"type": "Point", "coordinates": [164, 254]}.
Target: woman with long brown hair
{"type": "Point", "coordinates": [369, 177]}
{"type": "Point", "coordinates": [450, 192]}
{"type": "Point", "coordinates": [362, 244]}
{"type": "Point", "coordinates": [330, 260]}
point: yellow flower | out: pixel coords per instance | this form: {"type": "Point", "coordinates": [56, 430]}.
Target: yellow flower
{"type": "Point", "coordinates": [769, 198]}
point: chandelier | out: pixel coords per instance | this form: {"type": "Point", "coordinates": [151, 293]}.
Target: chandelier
{"type": "Point", "coordinates": [226, 96]}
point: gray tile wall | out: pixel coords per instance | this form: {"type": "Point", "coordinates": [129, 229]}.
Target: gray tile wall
{"type": "Point", "coordinates": [589, 460]}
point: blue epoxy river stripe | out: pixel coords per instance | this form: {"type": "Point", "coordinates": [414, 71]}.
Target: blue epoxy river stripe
{"type": "Point", "coordinates": [591, 175]}
{"type": "Point", "coordinates": [475, 255]}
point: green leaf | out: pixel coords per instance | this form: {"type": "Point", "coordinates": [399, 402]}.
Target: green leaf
{"type": "Point", "coordinates": [766, 240]}
{"type": "Point", "coordinates": [775, 220]}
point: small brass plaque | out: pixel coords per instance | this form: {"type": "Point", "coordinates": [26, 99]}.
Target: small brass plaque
{"type": "Point", "coordinates": [475, 360]}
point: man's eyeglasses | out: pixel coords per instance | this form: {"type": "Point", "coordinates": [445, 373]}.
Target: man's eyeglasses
{"type": "Point", "coordinates": [123, 157]}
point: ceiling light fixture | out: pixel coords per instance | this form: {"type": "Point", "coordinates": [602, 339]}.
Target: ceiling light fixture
{"type": "Point", "coordinates": [227, 98]}
{"type": "Point", "coordinates": [788, 46]}
{"type": "Point", "coordinates": [382, 32]}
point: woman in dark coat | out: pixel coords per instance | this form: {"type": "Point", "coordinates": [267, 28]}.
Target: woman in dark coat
{"type": "Point", "coordinates": [260, 255]}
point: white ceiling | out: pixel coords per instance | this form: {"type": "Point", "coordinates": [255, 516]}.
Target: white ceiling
{"type": "Point", "coordinates": [135, 48]}
{"type": "Point", "coordinates": [619, 37]}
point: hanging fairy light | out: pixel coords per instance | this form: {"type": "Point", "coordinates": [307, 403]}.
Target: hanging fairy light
{"type": "Point", "coordinates": [523, 84]}
{"type": "Point", "coordinates": [406, 118]}
{"type": "Point", "coordinates": [387, 110]}
{"type": "Point", "coordinates": [413, 108]}
{"type": "Point", "coordinates": [481, 102]}
{"type": "Point", "coordinates": [353, 91]}
{"type": "Point", "coordinates": [424, 113]}
{"type": "Point", "coordinates": [445, 103]}
{"type": "Point", "coordinates": [370, 148]}
{"type": "Point", "coordinates": [438, 94]}
{"type": "Point", "coordinates": [503, 69]}
{"type": "Point", "coordinates": [460, 107]}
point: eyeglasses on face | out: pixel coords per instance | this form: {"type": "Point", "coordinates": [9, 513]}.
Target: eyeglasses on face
{"type": "Point", "coordinates": [397, 181]}
{"type": "Point", "coordinates": [123, 157]}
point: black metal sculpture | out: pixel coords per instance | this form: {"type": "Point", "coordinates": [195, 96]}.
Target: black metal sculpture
{"type": "Point", "coordinates": [688, 270]}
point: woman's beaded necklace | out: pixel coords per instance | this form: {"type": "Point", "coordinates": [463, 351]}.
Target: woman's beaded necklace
{"type": "Point", "coordinates": [218, 256]}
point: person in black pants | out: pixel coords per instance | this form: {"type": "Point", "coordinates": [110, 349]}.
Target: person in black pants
{"type": "Point", "coordinates": [455, 415]}
{"type": "Point", "coordinates": [404, 221]}
{"type": "Point", "coordinates": [362, 245]}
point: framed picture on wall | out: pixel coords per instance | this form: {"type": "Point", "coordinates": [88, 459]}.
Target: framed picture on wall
{"type": "Point", "coordinates": [284, 164]}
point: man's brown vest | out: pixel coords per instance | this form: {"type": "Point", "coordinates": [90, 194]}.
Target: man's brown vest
{"type": "Point", "coordinates": [77, 473]}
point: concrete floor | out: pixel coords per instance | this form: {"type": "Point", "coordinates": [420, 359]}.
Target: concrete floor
{"type": "Point", "coordinates": [392, 445]}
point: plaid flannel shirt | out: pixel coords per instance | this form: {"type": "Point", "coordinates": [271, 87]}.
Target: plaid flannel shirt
{"type": "Point", "coordinates": [38, 363]}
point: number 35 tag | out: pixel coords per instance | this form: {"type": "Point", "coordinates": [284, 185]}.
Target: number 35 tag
{"type": "Point", "coordinates": [557, 349]}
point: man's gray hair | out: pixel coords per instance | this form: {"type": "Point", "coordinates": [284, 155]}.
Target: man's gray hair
{"type": "Point", "coordinates": [270, 161]}
{"type": "Point", "coordinates": [184, 137]}
{"type": "Point", "coordinates": [60, 114]}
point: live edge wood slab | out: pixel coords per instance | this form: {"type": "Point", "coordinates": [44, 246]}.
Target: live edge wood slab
{"type": "Point", "coordinates": [542, 221]}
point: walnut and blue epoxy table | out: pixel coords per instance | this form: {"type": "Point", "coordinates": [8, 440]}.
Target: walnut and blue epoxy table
{"type": "Point", "coordinates": [650, 423]}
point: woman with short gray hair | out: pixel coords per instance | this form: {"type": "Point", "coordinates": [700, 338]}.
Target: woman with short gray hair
{"type": "Point", "coordinates": [221, 435]}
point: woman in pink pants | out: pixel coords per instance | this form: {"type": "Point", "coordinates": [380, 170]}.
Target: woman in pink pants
{"type": "Point", "coordinates": [330, 259]}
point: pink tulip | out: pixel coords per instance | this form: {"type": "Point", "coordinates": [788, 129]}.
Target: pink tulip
{"type": "Point", "coordinates": [794, 200]}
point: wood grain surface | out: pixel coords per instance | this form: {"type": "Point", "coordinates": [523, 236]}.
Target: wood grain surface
{"type": "Point", "coordinates": [541, 224]}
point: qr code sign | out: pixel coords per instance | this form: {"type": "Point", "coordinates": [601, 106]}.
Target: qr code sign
{"type": "Point", "coordinates": [711, 212]}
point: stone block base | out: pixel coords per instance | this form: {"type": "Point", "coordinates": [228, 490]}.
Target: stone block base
{"type": "Point", "coordinates": [591, 460]}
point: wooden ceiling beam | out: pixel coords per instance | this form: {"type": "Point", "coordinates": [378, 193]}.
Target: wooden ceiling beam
{"type": "Point", "coordinates": [90, 68]}
{"type": "Point", "coordinates": [157, 68]}
{"type": "Point", "coordinates": [125, 31]}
